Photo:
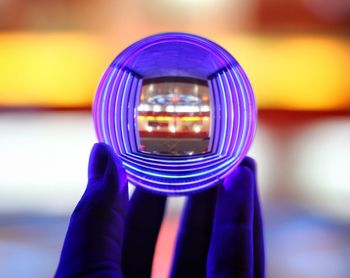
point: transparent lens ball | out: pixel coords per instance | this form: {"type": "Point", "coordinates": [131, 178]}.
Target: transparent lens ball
{"type": "Point", "coordinates": [178, 110]}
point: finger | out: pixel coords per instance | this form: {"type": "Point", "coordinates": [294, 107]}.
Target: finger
{"type": "Point", "coordinates": [194, 235]}
{"type": "Point", "coordinates": [93, 241]}
{"type": "Point", "coordinates": [258, 235]}
{"type": "Point", "coordinates": [231, 247]}
{"type": "Point", "coordinates": [143, 222]}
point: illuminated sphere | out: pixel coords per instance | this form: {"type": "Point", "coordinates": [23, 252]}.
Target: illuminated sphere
{"type": "Point", "coordinates": [178, 110]}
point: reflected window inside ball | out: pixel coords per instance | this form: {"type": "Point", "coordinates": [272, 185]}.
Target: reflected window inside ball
{"type": "Point", "coordinates": [173, 116]}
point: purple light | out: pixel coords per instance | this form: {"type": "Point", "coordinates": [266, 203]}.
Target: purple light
{"type": "Point", "coordinates": [233, 111]}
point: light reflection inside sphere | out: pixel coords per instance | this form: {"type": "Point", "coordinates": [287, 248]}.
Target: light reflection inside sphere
{"type": "Point", "coordinates": [174, 116]}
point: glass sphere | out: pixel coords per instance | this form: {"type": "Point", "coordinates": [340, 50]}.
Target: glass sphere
{"type": "Point", "coordinates": [178, 110]}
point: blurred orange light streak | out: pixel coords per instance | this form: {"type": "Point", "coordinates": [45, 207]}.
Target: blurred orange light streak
{"type": "Point", "coordinates": [63, 69]}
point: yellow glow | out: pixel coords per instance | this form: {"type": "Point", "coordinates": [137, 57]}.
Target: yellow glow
{"type": "Point", "coordinates": [310, 73]}
{"type": "Point", "coordinates": [167, 118]}
{"type": "Point", "coordinates": [190, 119]}
{"type": "Point", "coordinates": [63, 69]}
{"type": "Point", "coordinates": [158, 118]}
{"type": "Point", "coordinates": [58, 69]}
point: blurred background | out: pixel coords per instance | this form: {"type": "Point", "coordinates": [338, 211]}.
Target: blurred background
{"type": "Point", "coordinates": [296, 54]}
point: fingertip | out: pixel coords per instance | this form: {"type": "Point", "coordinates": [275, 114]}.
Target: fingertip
{"type": "Point", "coordinates": [249, 162]}
{"type": "Point", "coordinates": [104, 162]}
{"type": "Point", "coordinates": [107, 180]}
{"type": "Point", "coordinates": [235, 197]}
{"type": "Point", "coordinates": [241, 175]}
{"type": "Point", "coordinates": [231, 248]}
{"type": "Point", "coordinates": [98, 160]}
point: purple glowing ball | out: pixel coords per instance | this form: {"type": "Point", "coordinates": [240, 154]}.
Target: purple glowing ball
{"type": "Point", "coordinates": [192, 60]}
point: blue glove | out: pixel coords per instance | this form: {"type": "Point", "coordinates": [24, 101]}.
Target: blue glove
{"type": "Point", "coordinates": [220, 233]}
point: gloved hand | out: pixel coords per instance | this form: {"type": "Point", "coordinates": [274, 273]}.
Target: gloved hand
{"type": "Point", "coordinates": [220, 233]}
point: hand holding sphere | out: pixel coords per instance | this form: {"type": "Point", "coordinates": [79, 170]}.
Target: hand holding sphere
{"type": "Point", "coordinates": [221, 228]}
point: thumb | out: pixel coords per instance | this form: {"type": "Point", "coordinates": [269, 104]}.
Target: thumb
{"type": "Point", "coordinates": [93, 241]}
